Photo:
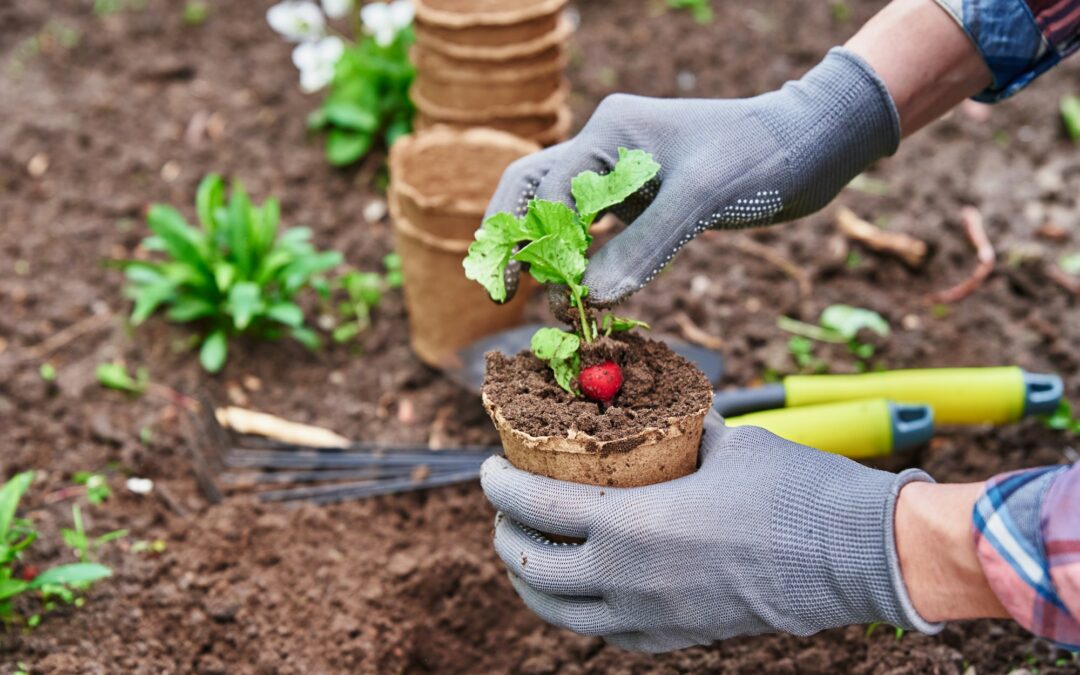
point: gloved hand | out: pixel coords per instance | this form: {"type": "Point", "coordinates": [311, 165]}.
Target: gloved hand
{"type": "Point", "coordinates": [724, 163]}
{"type": "Point", "coordinates": [766, 536]}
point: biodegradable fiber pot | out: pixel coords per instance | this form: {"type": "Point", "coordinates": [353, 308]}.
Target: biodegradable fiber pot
{"type": "Point", "coordinates": [544, 128]}
{"type": "Point", "coordinates": [652, 434]}
{"type": "Point", "coordinates": [478, 85]}
{"type": "Point", "coordinates": [460, 25]}
{"type": "Point", "coordinates": [452, 43]}
{"type": "Point", "coordinates": [441, 180]}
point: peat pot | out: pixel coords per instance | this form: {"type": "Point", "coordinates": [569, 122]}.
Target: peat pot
{"type": "Point", "coordinates": [441, 181]}
{"type": "Point", "coordinates": [490, 29]}
{"type": "Point", "coordinates": [647, 456]}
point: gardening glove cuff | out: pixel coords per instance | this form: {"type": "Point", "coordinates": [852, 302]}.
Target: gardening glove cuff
{"type": "Point", "coordinates": [837, 554]}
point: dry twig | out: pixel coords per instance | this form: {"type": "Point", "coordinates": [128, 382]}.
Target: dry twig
{"type": "Point", "coordinates": [909, 249]}
{"type": "Point", "coordinates": [984, 252]}
{"type": "Point", "coordinates": [759, 250]}
{"type": "Point", "coordinates": [63, 337]}
{"type": "Point", "coordinates": [696, 334]}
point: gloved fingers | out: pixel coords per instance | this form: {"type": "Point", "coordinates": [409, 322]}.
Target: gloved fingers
{"type": "Point", "coordinates": [637, 254]}
{"type": "Point", "coordinates": [576, 156]}
{"type": "Point", "coordinates": [544, 504]}
{"type": "Point", "coordinates": [560, 569]}
{"type": "Point", "coordinates": [712, 438]}
{"type": "Point", "coordinates": [519, 181]}
{"type": "Point", "coordinates": [559, 303]}
{"type": "Point", "coordinates": [584, 616]}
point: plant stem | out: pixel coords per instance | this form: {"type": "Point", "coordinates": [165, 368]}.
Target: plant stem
{"type": "Point", "coordinates": [585, 333]}
{"type": "Point", "coordinates": [809, 330]}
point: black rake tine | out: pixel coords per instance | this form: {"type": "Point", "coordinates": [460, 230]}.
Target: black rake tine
{"type": "Point", "coordinates": [300, 460]}
{"type": "Point", "coordinates": [363, 490]}
{"type": "Point", "coordinates": [252, 479]}
{"type": "Point", "coordinates": [374, 447]}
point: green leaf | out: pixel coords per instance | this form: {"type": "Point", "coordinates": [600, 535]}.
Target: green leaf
{"type": "Point", "coordinates": [189, 308]}
{"type": "Point", "coordinates": [75, 573]}
{"type": "Point", "coordinates": [10, 494]}
{"type": "Point", "coordinates": [614, 324]}
{"type": "Point", "coordinates": [552, 261]}
{"type": "Point", "coordinates": [561, 351]}
{"type": "Point", "coordinates": [245, 303]}
{"type": "Point", "coordinates": [345, 332]}
{"type": "Point", "coordinates": [351, 115]}
{"type": "Point", "coordinates": [9, 588]}
{"type": "Point", "coordinates": [1062, 418]}
{"type": "Point", "coordinates": [306, 337]}
{"type": "Point", "coordinates": [149, 297]}
{"type": "Point", "coordinates": [180, 240]}
{"type": "Point", "coordinates": [209, 197]}
{"type": "Point", "coordinates": [547, 217]}
{"type": "Point", "coordinates": [287, 313]}
{"type": "Point", "coordinates": [1070, 115]}
{"type": "Point", "coordinates": [115, 376]}
{"type": "Point", "coordinates": [593, 193]}
{"type": "Point", "coordinates": [343, 146]}
{"type": "Point", "coordinates": [848, 321]}
{"type": "Point", "coordinates": [490, 253]}
{"type": "Point", "coordinates": [214, 350]}
{"type": "Point", "coordinates": [238, 233]}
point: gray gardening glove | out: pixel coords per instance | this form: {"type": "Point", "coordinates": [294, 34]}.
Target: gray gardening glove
{"type": "Point", "coordinates": [767, 536]}
{"type": "Point", "coordinates": [725, 163]}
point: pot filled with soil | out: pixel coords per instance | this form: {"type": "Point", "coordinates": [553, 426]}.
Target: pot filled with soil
{"type": "Point", "coordinates": [647, 433]}
{"type": "Point", "coordinates": [441, 181]}
{"type": "Point", "coordinates": [503, 27]}
{"type": "Point", "coordinates": [596, 403]}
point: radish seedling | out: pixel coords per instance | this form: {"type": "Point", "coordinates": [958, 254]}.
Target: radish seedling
{"type": "Point", "coordinates": [839, 324]}
{"type": "Point", "coordinates": [552, 239]}
{"type": "Point", "coordinates": [237, 274]}
{"type": "Point", "coordinates": [82, 545]}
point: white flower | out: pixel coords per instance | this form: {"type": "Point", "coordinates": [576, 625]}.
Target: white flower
{"type": "Point", "coordinates": [297, 20]}
{"type": "Point", "coordinates": [384, 20]}
{"type": "Point", "coordinates": [335, 9]}
{"type": "Point", "coordinates": [316, 61]}
{"type": "Point", "coordinates": [140, 486]}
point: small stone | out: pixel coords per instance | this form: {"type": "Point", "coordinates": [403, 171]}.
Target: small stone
{"type": "Point", "coordinates": [401, 564]}
{"type": "Point", "coordinates": [374, 210]}
{"type": "Point", "coordinates": [911, 322]}
{"type": "Point", "coordinates": [700, 285]}
{"type": "Point", "coordinates": [139, 486]}
{"type": "Point", "coordinates": [337, 378]}
{"type": "Point", "coordinates": [38, 165]}
{"type": "Point", "coordinates": [251, 383]}
{"type": "Point", "coordinates": [686, 80]}
{"type": "Point", "coordinates": [753, 305]}
{"type": "Point", "coordinates": [170, 171]}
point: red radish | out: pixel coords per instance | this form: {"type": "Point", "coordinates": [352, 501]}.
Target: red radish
{"type": "Point", "coordinates": [29, 573]}
{"type": "Point", "coordinates": [601, 382]}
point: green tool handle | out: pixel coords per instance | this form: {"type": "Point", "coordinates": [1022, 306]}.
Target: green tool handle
{"type": "Point", "coordinates": [957, 395]}
{"type": "Point", "coordinates": [857, 429]}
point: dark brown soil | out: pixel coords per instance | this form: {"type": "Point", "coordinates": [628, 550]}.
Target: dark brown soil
{"type": "Point", "coordinates": [144, 105]}
{"type": "Point", "coordinates": [658, 385]}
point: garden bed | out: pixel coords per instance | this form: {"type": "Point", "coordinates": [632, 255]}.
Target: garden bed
{"type": "Point", "coordinates": [144, 105]}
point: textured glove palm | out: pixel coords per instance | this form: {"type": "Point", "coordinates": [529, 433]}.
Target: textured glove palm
{"type": "Point", "coordinates": [766, 536]}
{"type": "Point", "coordinates": [725, 163]}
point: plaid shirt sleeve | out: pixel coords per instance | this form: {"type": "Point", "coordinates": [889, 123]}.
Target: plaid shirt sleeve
{"type": "Point", "coordinates": [1027, 535]}
{"type": "Point", "coordinates": [1018, 39]}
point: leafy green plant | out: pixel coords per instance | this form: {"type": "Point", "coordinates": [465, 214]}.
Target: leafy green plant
{"type": "Point", "coordinates": [16, 579]}
{"type": "Point", "coordinates": [553, 238]}
{"type": "Point", "coordinates": [82, 545]}
{"type": "Point", "coordinates": [1062, 419]}
{"type": "Point", "coordinates": [115, 375]}
{"type": "Point", "coordinates": [97, 487]}
{"type": "Point", "coordinates": [47, 371]}
{"type": "Point", "coordinates": [701, 10]}
{"type": "Point", "coordinates": [368, 98]}
{"type": "Point", "coordinates": [363, 293]}
{"type": "Point", "coordinates": [196, 12]}
{"type": "Point", "coordinates": [838, 324]}
{"type": "Point", "coordinates": [236, 274]}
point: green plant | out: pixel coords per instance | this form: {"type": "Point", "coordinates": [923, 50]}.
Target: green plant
{"type": "Point", "coordinates": [236, 274]}
{"type": "Point", "coordinates": [552, 238]}
{"type": "Point", "coordinates": [16, 536]}
{"type": "Point", "coordinates": [701, 10]}
{"type": "Point", "coordinates": [47, 371]}
{"type": "Point", "coordinates": [106, 7]}
{"type": "Point", "coordinates": [115, 376]}
{"type": "Point", "coordinates": [368, 98]}
{"type": "Point", "coordinates": [1070, 263]}
{"type": "Point", "coordinates": [838, 324]}
{"type": "Point", "coordinates": [196, 12]}
{"type": "Point", "coordinates": [363, 292]}
{"type": "Point", "coordinates": [1070, 115]}
{"type": "Point", "coordinates": [1062, 419]}
{"type": "Point", "coordinates": [84, 546]}
{"type": "Point", "coordinates": [97, 487]}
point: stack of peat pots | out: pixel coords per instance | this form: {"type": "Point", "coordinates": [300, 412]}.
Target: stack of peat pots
{"type": "Point", "coordinates": [440, 182]}
{"type": "Point", "coordinates": [493, 63]}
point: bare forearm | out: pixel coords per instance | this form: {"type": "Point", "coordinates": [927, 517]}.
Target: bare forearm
{"type": "Point", "coordinates": [927, 62]}
{"type": "Point", "coordinates": [937, 553]}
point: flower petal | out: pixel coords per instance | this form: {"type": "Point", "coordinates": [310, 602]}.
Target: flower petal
{"type": "Point", "coordinates": [336, 9]}
{"type": "Point", "coordinates": [297, 20]}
